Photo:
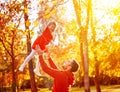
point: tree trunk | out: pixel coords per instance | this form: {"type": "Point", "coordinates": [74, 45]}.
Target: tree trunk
{"type": "Point", "coordinates": [32, 76]}
{"type": "Point", "coordinates": [83, 43]}
{"type": "Point", "coordinates": [13, 66]}
{"type": "Point", "coordinates": [86, 64]}
{"type": "Point", "coordinates": [13, 75]}
{"type": "Point", "coordinates": [96, 79]}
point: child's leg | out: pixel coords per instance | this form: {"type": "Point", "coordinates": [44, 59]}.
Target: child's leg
{"type": "Point", "coordinates": [37, 65]}
{"type": "Point", "coordinates": [28, 58]}
{"type": "Point", "coordinates": [37, 68]}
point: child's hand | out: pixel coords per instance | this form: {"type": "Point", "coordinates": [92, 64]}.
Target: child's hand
{"type": "Point", "coordinates": [46, 53]}
{"type": "Point", "coordinates": [45, 50]}
{"type": "Point", "coordinates": [55, 44]}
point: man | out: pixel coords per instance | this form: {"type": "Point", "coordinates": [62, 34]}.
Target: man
{"type": "Point", "coordinates": [63, 79]}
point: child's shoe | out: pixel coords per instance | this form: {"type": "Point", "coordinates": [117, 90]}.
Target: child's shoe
{"type": "Point", "coordinates": [21, 68]}
{"type": "Point", "coordinates": [36, 71]}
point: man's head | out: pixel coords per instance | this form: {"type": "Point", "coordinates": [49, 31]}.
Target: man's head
{"type": "Point", "coordinates": [52, 26]}
{"type": "Point", "coordinates": [71, 65]}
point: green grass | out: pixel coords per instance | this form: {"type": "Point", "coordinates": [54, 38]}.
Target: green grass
{"type": "Point", "coordinates": [115, 88]}
{"type": "Point", "coordinates": [74, 89]}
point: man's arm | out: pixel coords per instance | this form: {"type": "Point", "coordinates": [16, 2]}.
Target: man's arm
{"type": "Point", "coordinates": [49, 70]}
{"type": "Point", "coordinates": [52, 64]}
{"type": "Point", "coordinates": [52, 72]}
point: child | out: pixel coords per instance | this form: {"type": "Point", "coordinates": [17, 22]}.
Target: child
{"type": "Point", "coordinates": [42, 41]}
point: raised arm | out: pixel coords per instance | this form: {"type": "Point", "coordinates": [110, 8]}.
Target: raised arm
{"type": "Point", "coordinates": [52, 64]}
{"type": "Point", "coordinates": [51, 71]}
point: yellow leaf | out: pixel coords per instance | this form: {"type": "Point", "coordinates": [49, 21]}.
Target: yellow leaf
{"type": "Point", "coordinates": [11, 25]}
{"type": "Point", "coordinates": [32, 33]}
{"type": "Point", "coordinates": [49, 14]}
{"type": "Point", "coordinates": [26, 10]}
{"type": "Point", "coordinates": [36, 23]}
{"type": "Point", "coordinates": [6, 16]}
{"type": "Point", "coordinates": [27, 23]}
{"type": "Point", "coordinates": [26, 31]}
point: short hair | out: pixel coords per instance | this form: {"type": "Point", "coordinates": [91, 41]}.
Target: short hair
{"type": "Point", "coordinates": [74, 66]}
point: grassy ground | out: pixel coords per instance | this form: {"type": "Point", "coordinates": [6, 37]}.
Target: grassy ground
{"type": "Point", "coordinates": [115, 88]}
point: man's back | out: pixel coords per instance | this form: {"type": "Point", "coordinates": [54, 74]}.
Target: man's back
{"type": "Point", "coordinates": [62, 79]}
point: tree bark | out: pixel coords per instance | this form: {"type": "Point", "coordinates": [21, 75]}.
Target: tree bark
{"type": "Point", "coordinates": [32, 76]}
{"type": "Point", "coordinates": [96, 79]}
{"type": "Point", "coordinates": [83, 43]}
{"type": "Point", "coordinates": [13, 65]}
{"type": "Point", "coordinates": [13, 76]}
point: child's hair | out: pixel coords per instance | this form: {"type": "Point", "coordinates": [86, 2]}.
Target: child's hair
{"type": "Point", "coordinates": [52, 22]}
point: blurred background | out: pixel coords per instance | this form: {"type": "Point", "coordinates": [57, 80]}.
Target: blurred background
{"type": "Point", "coordinates": [87, 30]}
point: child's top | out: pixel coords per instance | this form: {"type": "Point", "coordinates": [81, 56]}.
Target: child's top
{"type": "Point", "coordinates": [43, 39]}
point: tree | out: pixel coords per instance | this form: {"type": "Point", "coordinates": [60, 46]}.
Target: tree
{"type": "Point", "coordinates": [99, 43]}
{"type": "Point", "coordinates": [27, 24]}
{"type": "Point", "coordinates": [84, 43]}
{"type": "Point", "coordinates": [10, 36]}
{"type": "Point", "coordinates": [97, 62]}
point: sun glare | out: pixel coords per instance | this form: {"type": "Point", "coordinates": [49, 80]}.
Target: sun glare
{"type": "Point", "coordinates": [103, 11]}
{"type": "Point", "coordinates": [70, 13]}
{"type": "Point", "coordinates": [71, 39]}
{"type": "Point", "coordinates": [105, 7]}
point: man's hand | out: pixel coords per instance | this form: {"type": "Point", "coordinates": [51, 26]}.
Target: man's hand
{"type": "Point", "coordinates": [46, 55]}
{"type": "Point", "coordinates": [39, 51]}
